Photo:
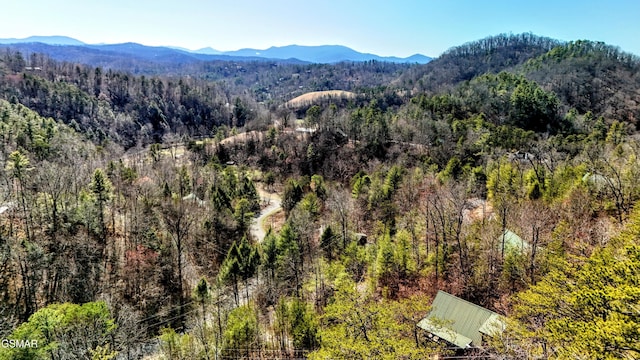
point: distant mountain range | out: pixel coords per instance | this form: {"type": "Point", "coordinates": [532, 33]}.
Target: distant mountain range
{"type": "Point", "coordinates": [323, 54]}
{"type": "Point", "coordinates": [61, 48]}
{"type": "Point", "coordinates": [51, 40]}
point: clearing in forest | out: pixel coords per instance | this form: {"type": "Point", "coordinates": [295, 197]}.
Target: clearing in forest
{"type": "Point", "coordinates": [314, 96]}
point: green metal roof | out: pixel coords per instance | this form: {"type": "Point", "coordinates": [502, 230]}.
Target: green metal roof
{"type": "Point", "coordinates": [513, 241]}
{"type": "Point", "coordinates": [437, 328]}
{"type": "Point", "coordinates": [494, 325]}
{"type": "Point", "coordinates": [460, 322]}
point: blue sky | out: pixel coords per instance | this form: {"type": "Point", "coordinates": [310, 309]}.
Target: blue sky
{"type": "Point", "coordinates": [384, 27]}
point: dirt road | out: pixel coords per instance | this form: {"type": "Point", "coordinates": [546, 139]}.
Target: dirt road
{"type": "Point", "coordinates": [274, 205]}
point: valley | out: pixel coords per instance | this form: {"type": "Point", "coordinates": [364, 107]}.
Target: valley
{"type": "Point", "coordinates": [227, 208]}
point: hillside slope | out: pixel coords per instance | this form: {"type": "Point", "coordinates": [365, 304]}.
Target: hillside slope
{"type": "Point", "coordinates": [464, 62]}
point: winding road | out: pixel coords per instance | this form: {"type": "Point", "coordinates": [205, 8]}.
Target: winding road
{"type": "Point", "coordinates": [274, 204]}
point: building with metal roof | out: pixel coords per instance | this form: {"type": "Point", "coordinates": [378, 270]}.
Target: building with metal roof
{"type": "Point", "coordinates": [460, 322]}
{"type": "Point", "coordinates": [513, 242]}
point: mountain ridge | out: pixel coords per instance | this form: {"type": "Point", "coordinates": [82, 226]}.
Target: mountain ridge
{"type": "Point", "coordinates": [50, 40]}
{"type": "Point", "coordinates": [323, 54]}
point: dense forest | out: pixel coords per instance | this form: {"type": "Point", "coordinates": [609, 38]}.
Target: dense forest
{"type": "Point", "coordinates": [140, 110]}
{"type": "Point", "coordinates": [194, 216]}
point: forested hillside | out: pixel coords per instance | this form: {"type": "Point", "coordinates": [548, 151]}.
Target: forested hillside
{"type": "Point", "coordinates": [139, 110]}
{"type": "Point", "coordinates": [195, 217]}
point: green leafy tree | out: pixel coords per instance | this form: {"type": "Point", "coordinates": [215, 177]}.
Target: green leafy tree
{"type": "Point", "coordinates": [453, 170]}
{"type": "Point", "coordinates": [313, 115]}
{"type": "Point", "coordinates": [585, 309]}
{"type": "Point", "coordinates": [241, 113]}
{"type": "Point", "coordinates": [355, 326]}
{"type": "Point", "coordinates": [219, 198]}
{"type": "Point", "coordinates": [154, 152]}
{"type": "Point", "coordinates": [103, 353]}
{"type": "Point", "coordinates": [270, 254]}
{"type": "Point", "coordinates": [230, 182]}
{"type": "Point", "coordinates": [303, 325]}
{"type": "Point", "coordinates": [64, 331]}
{"type": "Point", "coordinates": [269, 179]}
{"type": "Point", "coordinates": [393, 262]}
{"type": "Point", "coordinates": [292, 195]}
{"type": "Point", "coordinates": [243, 214]}
{"type": "Point", "coordinates": [311, 204]}
{"type": "Point", "coordinates": [281, 322]}
{"type": "Point", "coordinates": [176, 346]}
{"type": "Point", "coordinates": [248, 260]}
{"type": "Point", "coordinates": [248, 191]}
{"type": "Point", "coordinates": [241, 264]}
{"type": "Point", "coordinates": [230, 271]}
{"type": "Point", "coordinates": [513, 271]}
{"type": "Point", "coordinates": [18, 166]}
{"type": "Point", "coordinates": [184, 181]}
{"type": "Point", "coordinates": [319, 187]}
{"type": "Point", "coordinates": [503, 190]}
{"type": "Point", "coordinates": [385, 264]}
{"type": "Point", "coordinates": [241, 333]}
{"type": "Point", "coordinates": [616, 133]}
{"type": "Point", "coordinates": [289, 259]}
{"type": "Point", "coordinates": [392, 181]}
{"type": "Point", "coordinates": [328, 243]}
{"type": "Point", "coordinates": [532, 108]}
{"type": "Point", "coordinates": [202, 295]}
{"type": "Point", "coordinates": [360, 183]}
{"type": "Point", "coordinates": [101, 188]}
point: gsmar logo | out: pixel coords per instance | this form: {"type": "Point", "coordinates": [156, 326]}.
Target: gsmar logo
{"type": "Point", "coordinates": [14, 343]}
